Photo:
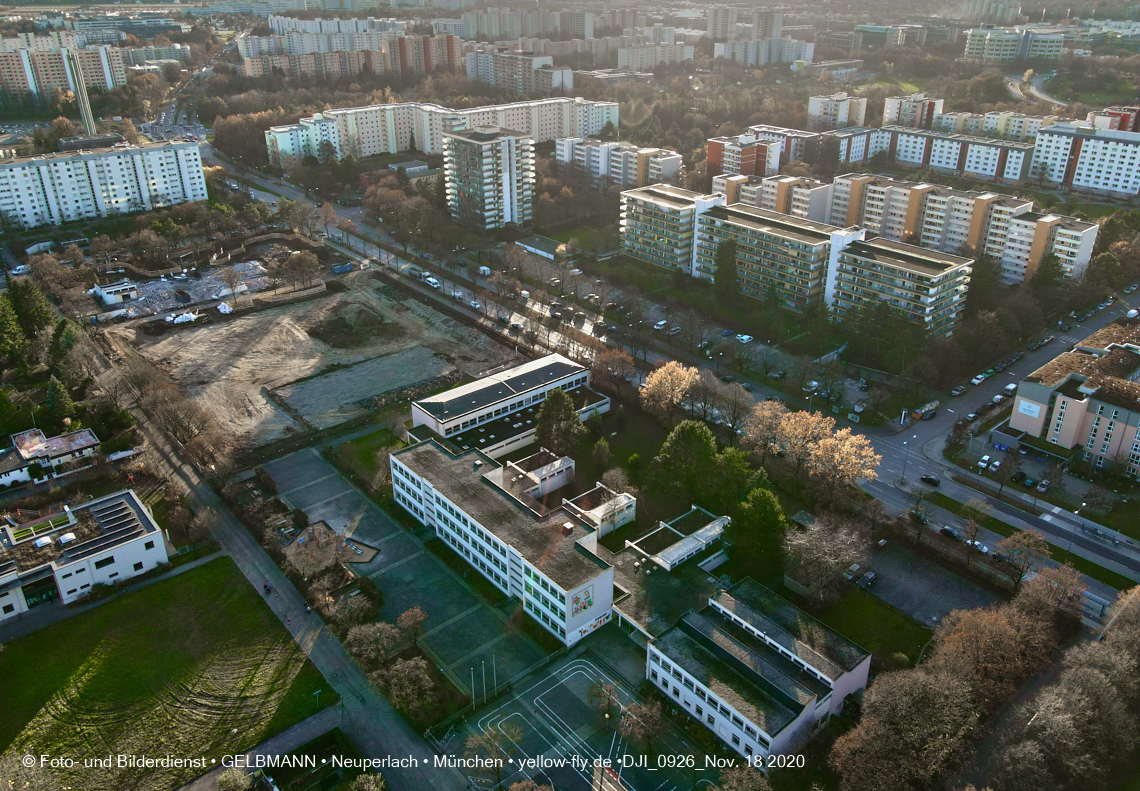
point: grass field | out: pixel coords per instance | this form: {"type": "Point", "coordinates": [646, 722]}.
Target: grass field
{"type": "Point", "coordinates": [361, 452]}
{"type": "Point", "coordinates": [875, 625]}
{"type": "Point", "coordinates": [195, 665]}
{"type": "Point", "coordinates": [1100, 91]}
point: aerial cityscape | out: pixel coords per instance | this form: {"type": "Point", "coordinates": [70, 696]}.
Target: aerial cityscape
{"type": "Point", "coordinates": [492, 396]}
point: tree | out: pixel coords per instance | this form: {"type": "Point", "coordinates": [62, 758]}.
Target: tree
{"type": "Point", "coordinates": [232, 279]}
{"type": "Point", "coordinates": [411, 622]}
{"type": "Point", "coordinates": [800, 432]}
{"type": "Point", "coordinates": [821, 552]}
{"type": "Point", "coordinates": [368, 782]}
{"type": "Point", "coordinates": [202, 526]}
{"type": "Point", "coordinates": [1010, 464]}
{"type": "Point", "coordinates": [407, 684]}
{"type": "Point", "coordinates": [1056, 591]}
{"type": "Point", "coordinates": [557, 426]}
{"type": "Point", "coordinates": [666, 388]}
{"type": "Point", "coordinates": [32, 308]}
{"type": "Point", "coordinates": [725, 276]}
{"type": "Point", "coordinates": [758, 528]}
{"type": "Point", "coordinates": [495, 745]}
{"type": "Point", "coordinates": [914, 723]}
{"type": "Point", "coordinates": [1020, 552]}
{"type": "Point", "coordinates": [734, 404]}
{"type": "Point", "coordinates": [387, 637]}
{"type": "Point", "coordinates": [761, 429]}
{"type": "Point", "coordinates": [300, 268]}
{"type": "Point", "coordinates": [686, 460]}
{"type": "Point", "coordinates": [843, 459]}
{"type": "Point", "coordinates": [642, 722]}
{"type": "Point", "coordinates": [742, 778]}
{"type": "Point", "coordinates": [603, 695]}
{"type": "Point", "coordinates": [12, 340]}
{"type": "Point", "coordinates": [234, 779]}
{"type": "Point", "coordinates": [58, 400]}
{"type": "Point", "coordinates": [614, 366]}
{"type": "Point", "coordinates": [361, 641]}
{"type": "Point", "coordinates": [326, 214]}
{"type": "Point", "coordinates": [601, 454]}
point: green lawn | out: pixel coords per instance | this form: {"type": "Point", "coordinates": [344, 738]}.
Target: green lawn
{"type": "Point", "coordinates": [362, 450]}
{"type": "Point", "coordinates": [170, 669]}
{"type": "Point", "coordinates": [1100, 91]}
{"type": "Point", "coordinates": [588, 238]}
{"type": "Point", "coordinates": [876, 626]}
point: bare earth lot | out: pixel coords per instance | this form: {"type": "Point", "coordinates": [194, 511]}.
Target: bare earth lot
{"type": "Point", "coordinates": [230, 366]}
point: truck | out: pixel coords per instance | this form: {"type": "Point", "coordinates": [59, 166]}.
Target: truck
{"type": "Point", "coordinates": [922, 410]}
{"type": "Point", "coordinates": [341, 269]}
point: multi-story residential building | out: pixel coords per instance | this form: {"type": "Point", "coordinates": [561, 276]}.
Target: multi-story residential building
{"type": "Point", "coordinates": [620, 164]}
{"type": "Point", "coordinates": [138, 55]}
{"type": "Point", "coordinates": [794, 195]}
{"type": "Point", "coordinates": [997, 11]}
{"type": "Point", "coordinates": [489, 174]}
{"type": "Point", "coordinates": [27, 71]}
{"type": "Point", "coordinates": [100, 542]}
{"type": "Point", "coordinates": [757, 671]}
{"type": "Point", "coordinates": [45, 42]}
{"type": "Point", "coordinates": [859, 144]}
{"type": "Point", "coordinates": [509, 523]}
{"type": "Point", "coordinates": [872, 37]}
{"type": "Point", "coordinates": [75, 185]}
{"type": "Point", "coordinates": [916, 111]}
{"type": "Point", "coordinates": [721, 22]}
{"type": "Point", "coordinates": [1088, 398]}
{"type": "Point", "coordinates": [987, 158]}
{"type": "Point", "coordinates": [1003, 45]}
{"type": "Point", "coordinates": [1001, 227]}
{"type": "Point", "coordinates": [794, 143]}
{"type": "Point", "coordinates": [1009, 125]}
{"type": "Point", "coordinates": [744, 155]}
{"type": "Point", "coordinates": [767, 24]}
{"type": "Point", "coordinates": [256, 46]}
{"type": "Point", "coordinates": [520, 72]}
{"type": "Point", "coordinates": [450, 27]}
{"type": "Point", "coordinates": [283, 24]}
{"type": "Point", "coordinates": [576, 24]}
{"type": "Point", "coordinates": [836, 111]}
{"type": "Point", "coordinates": [1120, 119]}
{"type": "Point", "coordinates": [52, 455]}
{"type": "Point", "coordinates": [765, 51]}
{"type": "Point", "coordinates": [1085, 158]}
{"type": "Point", "coordinates": [658, 224]}
{"type": "Point", "coordinates": [648, 56]}
{"type": "Point", "coordinates": [391, 128]}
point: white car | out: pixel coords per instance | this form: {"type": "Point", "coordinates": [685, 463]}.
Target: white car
{"type": "Point", "coordinates": [977, 380]}
{"type": "Point", "coordinates": [983, 462]}
{"type": "Point", "coordinates": [998, 399]}
{"type": "Point", "coordinates": [978, 545]}
{"type": "Point", "coordinates": [744, 338]}
{"type": "Point", "coordinates": [660, 325]}
{"type": "Point", "coordinates": [995, 466]}
{"type": "Point", "coordinates": [810, 387]}
{"type": "Point", "coordinates": [431, 281]}
{"type": "Point", "coordinates": [476, 304]}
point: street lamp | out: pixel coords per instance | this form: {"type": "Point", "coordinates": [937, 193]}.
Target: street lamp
{"type": "Point", "coordinates": [1073, 529]}
{"type": "Point", "coordinates": [906, 456]}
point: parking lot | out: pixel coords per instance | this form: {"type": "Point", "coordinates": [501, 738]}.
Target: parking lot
{"type": "Point", "coordinates": [465, 633]}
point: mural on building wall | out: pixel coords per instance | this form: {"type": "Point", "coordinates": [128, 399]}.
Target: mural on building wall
{"type": "Point", "coordinates": [583, 600]}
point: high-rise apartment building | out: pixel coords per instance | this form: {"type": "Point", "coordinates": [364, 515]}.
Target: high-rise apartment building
{"type": "Point", "coordinates": [659, 223]}
{"type": "Point", "coordinates": [27, 71]}
{"type": "Point", "coordinates": [390, 128]}
{"type": "Point", "coordinates": [576, 24]}
{"type": "Point", "coordinates": [398, 55]}
{"type": "Point", "coordinates": [794, 195]}
{"type": "Point", "coordinates": [622, 164]}
{"type": "Point", "coordinates": [722, 22]}
{"type": "Point", "coordinates": [1085, 158]}
{"type": "Point", "coordinates": [523, 73]}
{"type": "Point", "coordinates": [1013, 44]}
{"type": "Point", "coordinates": [489, 174]}
{"type": "Point", "coordinates": [52, 189]}
{"type": "Point", "coordinates": [743, 155]}
{"type": "Point", "coordinates": [283, 24]}
{"type": "Point", "coordinates": [761, 53]}
{"type": "Point", "coordinates": [836, 111]}
{"type": "Point", "coordinates": [647, 57]}
{"type": "Point", "coordinates": [916, 111]}
{"type": "Point", "coordinates": [767, 25]}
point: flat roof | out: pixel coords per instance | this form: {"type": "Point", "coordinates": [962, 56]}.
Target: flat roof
{"type": "Point", "coordinates": [971, 139]}
{"type": "Point", "coordinates": [501, 386]}
{"type": "Point", "coordinates": [485, 134]}
{"type": "Point", "coordinates": [1119, 362]}
{"type": "Point", "coordinates": [32, 444]}
{"type": "Point", "coordinates": [906, 256]}
{"type": "Point", "coordinates": [666, 193]}
{"type": "Point", "coordinates": [818, 645]}
{"type": "Point", "coordinates": [474, 482]}
{"type": "Point", "coordinates": [798, 228]}
{"type": "Point", "coordinates": [119, 148]}
{"type": "Point", "coordinates": [543, 243]}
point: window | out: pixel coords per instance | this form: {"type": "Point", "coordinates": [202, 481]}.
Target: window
{"type": "Point", "coordinates": [711, 720]}
{"type": "Point", "coordinates": [9, 608]}
{"type": "Point", "coordinates": [138, 566]}
{"type": "Point", "coordinates": [148, 545]}
{"type": "Point", "coordinates": [104, 562]}
{"type": "Point", "coordinates": [735, 740]}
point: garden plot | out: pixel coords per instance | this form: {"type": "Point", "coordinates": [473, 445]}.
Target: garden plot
{"type": "Point", "coordinates": [335, 397]}
{"type": "Point", "coordinates": [236, 368]}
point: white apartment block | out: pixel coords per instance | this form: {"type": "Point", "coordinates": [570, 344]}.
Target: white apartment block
{"type": "Point", "coordinates": [648, 56]}
{"type": "Point", "coordinates": [1014, 44]}
{"type": "Point", "coordinates": [523, 73]}
{"type": "Point", "coordinates": [391, 128]}
{"type": "Point", "coordinates": [26, 71]}
{"type": "Point", "coordinates": [57, 188]}
{"type": "Point", "coordinates": [721, 24]}
{"type": "Point", "coordinates": [800, 197]}
{"type": "Point", "coordinates": [489, 174]}
{"type": "Point", "coordinates": [1009, 125]}
{"type": "Point", "coordinates": [765, 51]}
{"type": "Point", "coordinates": [450, 27]}
{"type": "Point", "coordinates": [793, 142]}
{"type": "Point", "coordinates": [916, 111]}
{"type": "Point", "coordinates": [1001, 227]}
{"type": "Point", "coordinates": [988, 158]}
{"type": "Point", "coordinates": [43, 42]}
{"type": "Point", "coordinates": [283, 24]}
{"type": "Point", "coordinates": [757, 671]}
{"type": "Point", "coordinates": [620, 164]}
{"type": "Point", "coordinates": [495, 517]}
{"type": "Point", "coordinates": [256, 46]}
{"type": "Point", "coordinates": [658, 224]}
{"type": "Point", "coordinates": [860, 144]}
{"type": "Point", "coordinates": [836, 111]}
{"type": "Point", "coordinates": [1088, 397]}
{"type": "Point", "coordinates": [1088, 159]}
{"type": "Point", "coordinates": [744, 155]}
{"type": "Point", "coordinates": [101, 542]}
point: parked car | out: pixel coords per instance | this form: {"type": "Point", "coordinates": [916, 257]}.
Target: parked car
{"type": "Point", "coordinates": [972, 416]}
{"type": "Point", "coordinates": [674, 332]}
{"type": "Point", "coordinates": [930, 414]}
{"type": "Point", "coordinates": [726, 333]}
{"type": "Point", "coordinates": [957, 391]}
{"type": "Point", "coordinates": [933, 480]}
{"type": "Point", "coordinates": [978, 545]}
{"type": "Point", "coordinates": [1029, 483]}
{"type": "Point", "coordinates": [1043, 486]}
{"type": "Point", "coordinates": [744, 338]}
{"type": "Point", "coordinates": [953, 533]}
{"type": "Point", "coordinates": [810, 386]}
{"type": "Point", "coordinates": [852, 570]}
{"type": "Point", "coordinates": [660, 325]}
{"type": "Point", "coordinates": [918, 516]}
{"type": "Point", "coordinates": [746, 386]}
{"type": "Point", "coordinates": [476, 304]}
{"type": "Point", "coordinates": [1017, 476]}
{"type": "Point", "coordinates": [995, 466]}
{"type": "Point", "coordinates": [867, 580]}
{"type": "Point", "coordinates": [983, 462]}
{"type": "Point", "coordinates": [977, 380]}
{"type": "Point", "coordinates": [777, 375]}
{"type": "Point", "coordinates": [997, 399]}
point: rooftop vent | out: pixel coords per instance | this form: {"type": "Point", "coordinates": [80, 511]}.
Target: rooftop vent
{"type": "Point", "coordinates": [567, 528]}
{"type": "Point", "coordinates": [477, 465]}
{"type": "Point", "coordinates": [66, 538]}
{"type": "Point", "coordinates": [43, 541]}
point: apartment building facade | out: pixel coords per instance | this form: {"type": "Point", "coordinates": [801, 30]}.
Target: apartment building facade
{"type": "Point", "coordinates": [391, 128]}
{"type": "Point", "coordinates": [658, 224]}
{"type": "Point", "coordinates": [794, 195]}
{"type": "Point", "coordinates": [744, 155]}
{"type": "Point", "coordinates": [754, 669]}
{"type": "Point", "coordinates": [647, 57]}
{"type": "Point", "coordinates": [622, 164]}
{"type": "Point", "coordinates": [1003, 45]}
{"type": "Point", "coordinates": [283, 24]}
{"type": "Point", "coordinates": [495, 516]}
{"type": "Point", "coordinates": [25, 71]}
{"type": "Point", "coordinates": [836, 111]}
{"type": "Point", "coordinates": [489, 177]}
{"type": "Point", "coordinates": [916, 111]}
{"type": "Point", "coordinates": [523, 73]}
{"type": "Point", "coordinates": [1088, 398]}
{"type": "Point", "coordinates": [1088, 159]}
{"type": "Point", "coordinates": [75, 185]}
{"type": "Point", "coordinates": [794, 143]}
{"type": "Point", "coordinates": [763, 52]}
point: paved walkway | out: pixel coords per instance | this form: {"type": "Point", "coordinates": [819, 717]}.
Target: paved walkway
{"type": "Point", "coordinates": [283, 743]}
{"type": "Point", "coordinates": [45, 615]}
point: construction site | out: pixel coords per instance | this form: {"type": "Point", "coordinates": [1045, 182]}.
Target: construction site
{"type": "Point", "coordinates": [297, 368]}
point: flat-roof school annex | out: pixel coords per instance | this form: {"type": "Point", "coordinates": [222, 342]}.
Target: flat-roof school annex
{"type": "Point", "coordinates": [496, 387]}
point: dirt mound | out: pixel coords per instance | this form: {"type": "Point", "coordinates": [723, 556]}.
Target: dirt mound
{"type": "Point", "coordinates": [352, 324]}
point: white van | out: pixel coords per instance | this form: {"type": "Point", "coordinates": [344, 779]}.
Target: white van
{"type": "Point", "coordinates": [22, 269]}
{"type": "Point", "coordinates": [1010, 389]}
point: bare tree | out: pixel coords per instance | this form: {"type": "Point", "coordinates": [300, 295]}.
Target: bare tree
{"type": "Point", "coordinates": [735, 406]}
{"type": "Point", "coordinates": [822, 551]}
{"type": "Point", "coordinates": [232, 279]}
{"type": "Point", "coordinates": [603, 695]}
{"type": "Point", "coordinates": [693, 328]}
{"type": "Point", "coordinates": [203, 526]}
{"type": "Point", "coordinates": [1020, 552]}
{"type": "Point", "coordinates": [411, 623]}
{"type": "Point", "coordinates": [643, 722]}
{"type": "Point", "coordinates": [495, 745]}
{"type": "Point", "coordinates": [766, 359]}
{"type": "Point", "coordinates": [407, 684]}
{"type": "Point", "coordinates": [666, 388]}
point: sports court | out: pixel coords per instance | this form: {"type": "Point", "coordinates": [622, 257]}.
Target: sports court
{"type": "Point", "coordinates": [552, 710]}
